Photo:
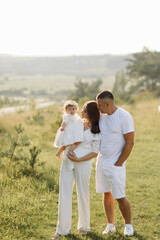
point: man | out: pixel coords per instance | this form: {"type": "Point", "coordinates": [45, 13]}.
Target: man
{"type": "Point", "coordinates": [117, 130]}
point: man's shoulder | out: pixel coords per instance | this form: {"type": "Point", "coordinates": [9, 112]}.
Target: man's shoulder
{"type": "Point", "coordinates": [125, 117]}
{"type": "Point", "coordinates": [123, 112]}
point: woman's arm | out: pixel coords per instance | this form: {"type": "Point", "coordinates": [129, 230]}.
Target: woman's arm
{"type": "Point", "coordinates": [87, 157]}
{"type": "Point", "coordinates": [73, 146]}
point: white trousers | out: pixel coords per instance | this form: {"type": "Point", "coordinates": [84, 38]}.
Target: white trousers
{"type": "Point", "coordinates": [81, 174]}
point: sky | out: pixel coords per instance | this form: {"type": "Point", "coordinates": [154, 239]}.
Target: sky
{"type": "Point", "coordinates": [78, 27]}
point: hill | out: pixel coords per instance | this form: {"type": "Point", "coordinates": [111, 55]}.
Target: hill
{"type": "Point", "coordinates": [81, 66]}
{"type": "Point", "coordinates": [54, 77]}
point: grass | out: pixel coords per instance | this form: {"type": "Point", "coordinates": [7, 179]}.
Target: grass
{"type": "Point", "coordinates": [29, 205]}
{"type": "Point", "coordinates": [51, 83]}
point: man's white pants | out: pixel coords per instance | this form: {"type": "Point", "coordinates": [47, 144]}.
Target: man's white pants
{"type": "Point", "coordinates": [81, 174]}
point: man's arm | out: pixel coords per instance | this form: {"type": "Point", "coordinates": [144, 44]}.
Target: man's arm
{"type": "Point", "coordinates": [129, 138]}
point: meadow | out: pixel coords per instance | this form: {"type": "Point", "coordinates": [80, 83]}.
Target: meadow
{"type": "Point", "coordinates": [53, 77]}
{"type": "Point", "coordinates": [29, 200]}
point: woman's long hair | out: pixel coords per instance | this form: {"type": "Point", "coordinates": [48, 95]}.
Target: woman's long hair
{"type": "Point", "coordinates": [93, 115]}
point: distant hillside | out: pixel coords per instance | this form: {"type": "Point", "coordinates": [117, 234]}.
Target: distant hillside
{"type": "Point", "coordinates": [54, 77]}
{"type": "Point", "coordinates": [80, 66]}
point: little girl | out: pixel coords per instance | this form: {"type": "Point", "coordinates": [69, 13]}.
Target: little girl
{"type": "Point", "coordinates": [71, 132]}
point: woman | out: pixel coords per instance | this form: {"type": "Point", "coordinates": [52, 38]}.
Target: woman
{"type": "Point", "coordinates": [80, 172]}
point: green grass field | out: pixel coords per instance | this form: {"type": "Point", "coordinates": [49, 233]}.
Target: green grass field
{"type": "Point", "coordinates": [29, 204]}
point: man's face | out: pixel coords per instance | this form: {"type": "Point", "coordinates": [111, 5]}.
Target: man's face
{"type": "Point", "coordinates": [102, 106]}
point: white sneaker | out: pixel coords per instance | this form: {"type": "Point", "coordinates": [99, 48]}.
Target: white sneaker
{"type": "Point", "coordinates": [110, 228]}
{"type": "Point", "coordinates": [128, 230]}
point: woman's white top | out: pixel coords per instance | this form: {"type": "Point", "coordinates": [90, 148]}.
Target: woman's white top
{"type": "Point", "coordinates": [74, 131]}
{"type": "Point", "coordinates": [90, 144]}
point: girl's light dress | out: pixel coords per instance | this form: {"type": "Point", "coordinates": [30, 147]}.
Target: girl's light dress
{"type": "Point", "coordinates": [74, 131]}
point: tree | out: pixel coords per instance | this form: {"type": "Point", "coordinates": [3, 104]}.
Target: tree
{"type": "Point", "coordinates": [143, 73]}
{"type": "Point", "coordinates": [120, 85]}
{"type": "Point", "coordinates": [144, 69]}
{"type": "Point", "coordinates": [84, 89]}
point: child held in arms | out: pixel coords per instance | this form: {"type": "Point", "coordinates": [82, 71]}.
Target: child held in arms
{"type": "Point", "coordinates": [71, 132]}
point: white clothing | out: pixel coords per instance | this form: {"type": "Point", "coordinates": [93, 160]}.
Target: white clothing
{"type": "Point", "coordinates": [113, 127]}
{"type": "Point", "coordinates": [81, 174]}
{"type": "Point", "coordinates": [74, 131]}
{"type": "Point", "coordinates": [110, 178]}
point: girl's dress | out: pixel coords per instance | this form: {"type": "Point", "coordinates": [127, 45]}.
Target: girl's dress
{"type": "Point", "coordinates": [74, 131]}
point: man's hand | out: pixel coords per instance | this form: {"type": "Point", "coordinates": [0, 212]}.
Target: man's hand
{"type": "Point", "coordinates": [117, 165]}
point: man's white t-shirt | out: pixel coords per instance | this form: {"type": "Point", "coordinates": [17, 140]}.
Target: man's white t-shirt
{"type": "Point", "coordinates": [113, 127]}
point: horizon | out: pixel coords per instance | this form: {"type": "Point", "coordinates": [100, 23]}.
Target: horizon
{"type": "Point", "coordinates": [72, 55]}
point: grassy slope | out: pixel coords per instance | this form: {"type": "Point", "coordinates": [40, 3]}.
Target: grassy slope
{"type": "Point", "coordinates": [29, 205]}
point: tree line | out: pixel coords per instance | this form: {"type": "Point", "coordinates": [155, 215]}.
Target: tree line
{"type": "Point", "coordinates": [142, 73]}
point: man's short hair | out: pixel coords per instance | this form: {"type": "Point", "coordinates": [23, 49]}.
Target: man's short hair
{"type": "Point", "coordinates": [105, 95]}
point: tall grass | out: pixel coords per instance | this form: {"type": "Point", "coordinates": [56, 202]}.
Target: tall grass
{"type": "Point", "coordinates": [29, 204]}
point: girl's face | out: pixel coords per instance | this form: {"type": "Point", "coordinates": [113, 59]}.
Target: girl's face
{"type": "Point", "coordinates": [71, 110]}
{"type": "Point", "coordinates": [84, 112]}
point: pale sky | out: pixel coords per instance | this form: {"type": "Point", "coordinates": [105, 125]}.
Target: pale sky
{"type": "Point", "coordinates": [78, 27]}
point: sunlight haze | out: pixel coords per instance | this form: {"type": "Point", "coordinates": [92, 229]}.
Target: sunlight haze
{"type": "Point", "coordinates": [78, 27]}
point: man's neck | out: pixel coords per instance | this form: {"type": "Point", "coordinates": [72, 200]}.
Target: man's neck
{"type": "Point", "coordinates": [112, 110]}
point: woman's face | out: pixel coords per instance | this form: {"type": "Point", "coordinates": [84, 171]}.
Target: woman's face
{"type": "Point", "coordinates": [84, 112]}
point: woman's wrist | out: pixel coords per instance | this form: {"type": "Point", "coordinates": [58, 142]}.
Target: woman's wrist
{"type": "Point", "coordinates": [78, 159]}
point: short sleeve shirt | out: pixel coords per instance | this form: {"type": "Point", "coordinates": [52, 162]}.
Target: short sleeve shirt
{"type": "Point", "coordinates": [113, 127]}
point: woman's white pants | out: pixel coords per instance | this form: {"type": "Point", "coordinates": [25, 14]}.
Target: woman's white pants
{"type": "Point", "coordinates": [81, 174]}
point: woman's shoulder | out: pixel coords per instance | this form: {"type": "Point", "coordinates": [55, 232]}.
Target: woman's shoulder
{"type": "Point", "coordinates": [95, 136]}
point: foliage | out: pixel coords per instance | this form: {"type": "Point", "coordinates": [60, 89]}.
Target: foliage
{"type": "Point", "coordinates": [84, 89]}
{"type": "Point", "coordinates": [38, 118]}
{"type": "Point", "coordinates": [34, 153]}
{"type": "Point", "coordinates": [143, 74]}
{"type": "Point", "coordinates": [7, 101]}
{"type": "Point", "coordinates": [121, 88]}
{"type": "Point", "coordinates": [16, 154]}
{"type": "Point", "coordinates": [144, 69]}
{"type": "Point", "coordinates": [16, 140]}
{"type": "Point", "coordinates": [82, 101]}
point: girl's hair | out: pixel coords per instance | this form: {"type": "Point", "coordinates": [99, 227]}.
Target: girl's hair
{"type": "Point", "coordinates": [70, 103]}
{"type": "Point", "coordinates": [93, 115]}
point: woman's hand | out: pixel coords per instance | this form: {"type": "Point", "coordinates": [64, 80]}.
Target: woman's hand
{"type": "Point", "coordinates": [72, 157]}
